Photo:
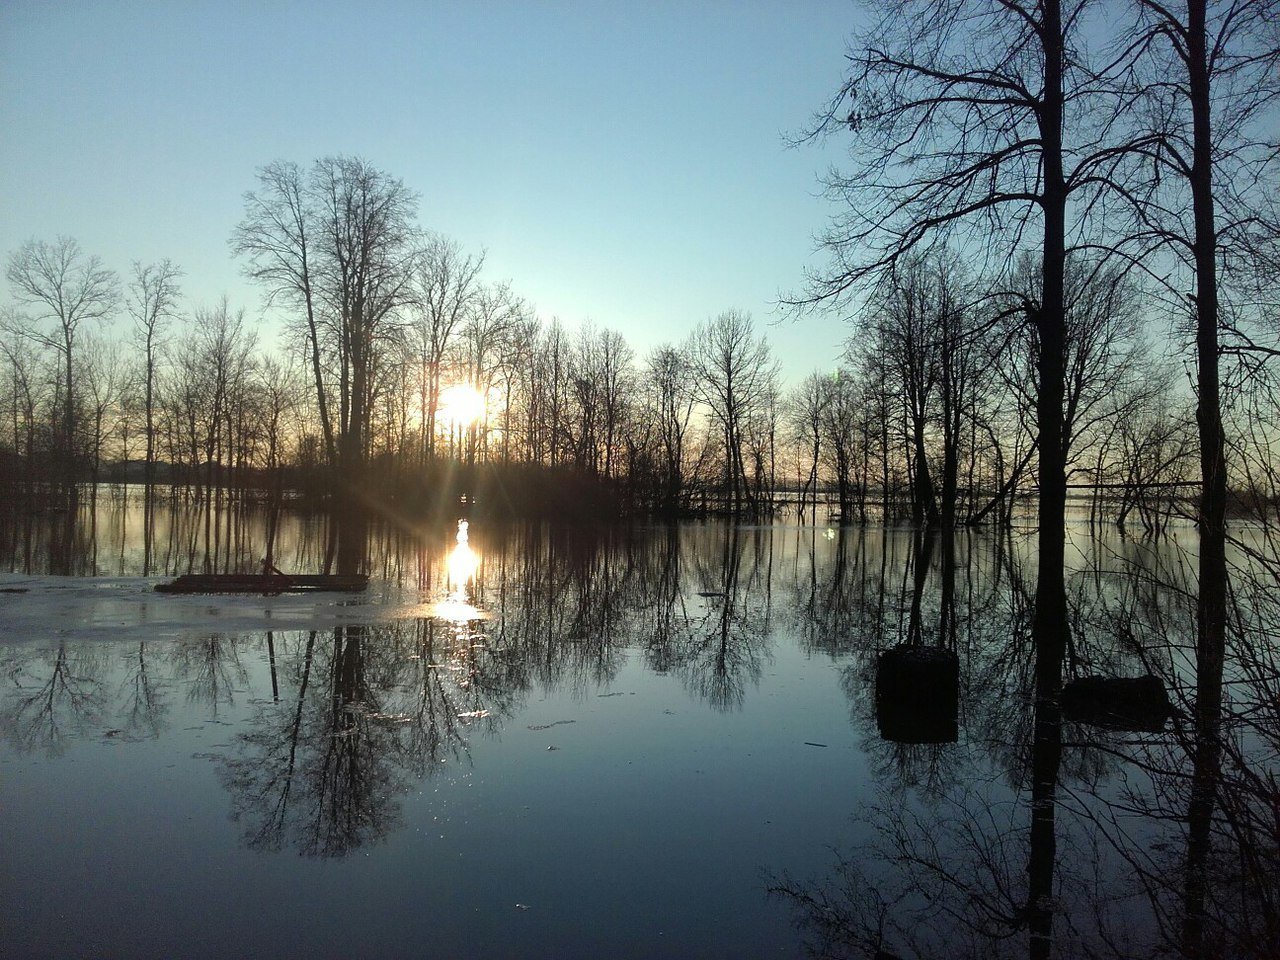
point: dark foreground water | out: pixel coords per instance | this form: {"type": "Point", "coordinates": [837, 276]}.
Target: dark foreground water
{"type": "Point", "coordinates": [661, 742]}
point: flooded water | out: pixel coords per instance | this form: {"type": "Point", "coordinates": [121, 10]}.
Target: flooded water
{"type": "Point", "coordinates": [698, 741]}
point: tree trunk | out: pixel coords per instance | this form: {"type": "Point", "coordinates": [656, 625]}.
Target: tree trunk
{"type": "Point", "coordinates": [1050, 626]}
{"type": "Point", "coordinates": [1211, 603]}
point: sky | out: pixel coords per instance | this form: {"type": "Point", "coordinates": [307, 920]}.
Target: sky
{"type": "Point", "coordinates": [623, 162]}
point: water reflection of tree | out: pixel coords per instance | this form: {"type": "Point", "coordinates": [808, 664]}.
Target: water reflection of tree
{"type": "Point", "coordinates": [565, 607]}
{"type": "Point", "coordinates": [717, 640]}
{"type": "Point", "coordinates": [155, 531]}
{"type": "Point", "coordinates": [142, 694]}
{"type": "Point", "coordinates": [452, 683]}
{"type": "Point", "coordinates": [725, 649]}
{"type": "Point", "coordinates": [966, 873]}
{"type": "Point", "coordinates": [358, 715]}
{"type": "Point", "coordinates": [353, 785]}
{"type": "Point", "coordinates": [212, 668]}
{"type": "Point", "coordinates": [1077, 840]}
{"type": "Point", "coordinates": [372, 709]}
{"type": "Point", "coordinates": [55, 699]}
{"type": "Point", "coordinates": [434, 703]}
{"type": "Point", "coordinates": [1213, 779]}
{"type": "Point", "coordinates": [669, 604]}
{"type": "Point", "coordinates": [959, 863]}
{"type": "Point", "coordinates": [892, 590]}
{"type": "Point", "coordinates": [261, 776]}
{"type": "Point", "coordinates": [318, 775]}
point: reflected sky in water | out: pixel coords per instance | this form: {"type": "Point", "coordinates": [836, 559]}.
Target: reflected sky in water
{"type": "Point", "coordinates": [662, 742]}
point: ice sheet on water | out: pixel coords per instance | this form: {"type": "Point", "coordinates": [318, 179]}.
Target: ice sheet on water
{"type": "Point", "coordinates": [125, 608]}
{"type": "Point", "coordinates": [548, 726]}
{"type": "Point", "coordinates": [390, 719]}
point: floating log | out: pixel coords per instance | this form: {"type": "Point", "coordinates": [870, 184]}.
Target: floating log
{"type": "Point", "coordinates": [918, 695]}
{"type": "Point", "coordinates": [257, 583]}
{"type": "Point", "coordinates": [1133, 704]}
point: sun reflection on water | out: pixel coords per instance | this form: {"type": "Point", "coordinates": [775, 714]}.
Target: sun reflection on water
{"type": "Point", "coordinates": [461, 565]}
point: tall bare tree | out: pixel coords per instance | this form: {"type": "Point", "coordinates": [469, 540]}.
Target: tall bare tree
{"type": "Point", "coordinates": [669, 380]}
{"type": "Point", "coordinates": [279, 240]}
{"type": "Point", "coordinates": [1209, 77]}
{"type": "Point", "coordinates": [603, 383]}
{"type": "Point", "coordinates": [365, 223]}
{"type": "Point", "coordinates": [101, 376]}
{"type": "Point", "coordinates": [904, 321]}
{"type": "Point", "coordinates": [845, 442]}
{"type": "Point", "coordinates": [447, 284]}
{"type": "Point", "coordinates": [496, 313]}
{"type": "Point", "coordinates": [151, 301]}
{"type": "Point", "coordinates": [735, 375]}
{"type": "Point", "coordinates": [339, 244]}
{"type": "Point", "coordinates": [961, 111]}
{"type": "Point", "coordinates": [67, 287]}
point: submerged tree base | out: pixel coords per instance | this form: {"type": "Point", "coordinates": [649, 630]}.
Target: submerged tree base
{"type": "Point", "coordinates": [1137, 704]}
{"type": "Point", "coordinates": [917, 695]}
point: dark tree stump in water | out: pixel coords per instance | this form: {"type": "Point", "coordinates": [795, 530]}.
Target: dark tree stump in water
{"type": "Point", "coordinates": [918, 695]}
{"type": "Point", "coordinates": [1135, 704]}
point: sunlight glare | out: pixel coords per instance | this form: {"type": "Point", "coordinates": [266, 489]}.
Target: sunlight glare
{"type": "Point", "coordinates": [461, 564]}
{"type": "Point", "coordinates": [461, 405]}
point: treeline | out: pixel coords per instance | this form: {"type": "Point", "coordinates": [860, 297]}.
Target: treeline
{"type": "Point", "coordinates": [383, 322]}
{"type": "Point", "coordinates": [105, 379]}
{"type": "Point", "coordinates": [930, 418]}
{"type": "Point", "coordinates": [930, 415]}
{"type": "Point", "coordinates": [933, 416]}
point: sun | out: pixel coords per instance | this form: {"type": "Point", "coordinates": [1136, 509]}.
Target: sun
{"type": "Point", "coordinates": [461, 405]}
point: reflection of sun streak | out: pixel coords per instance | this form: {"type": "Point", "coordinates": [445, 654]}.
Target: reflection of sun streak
{"type": "Point", "coordinates": [456, 610]}
{"type": "Point", "coordinates": [461, 565]}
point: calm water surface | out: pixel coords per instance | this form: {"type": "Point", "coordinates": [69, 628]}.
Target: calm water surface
{"type": "Point", "coordinates": [574, 743]}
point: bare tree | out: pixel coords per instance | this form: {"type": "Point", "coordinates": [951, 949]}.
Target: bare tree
{"type": "Point", "coordinates": [844, 427]}
{"type": "Point", "coordinates": [602, 377]}
{"type": "Point", "coordinates": [735, 375]}
{"type": "Point", "coordinates": [26, 389]}
{"type": "Point", "coordinates": [904, 321]}
{"type": "Point", "coordinates": [278, 238]}
{"type": "Point", "coordinates": [495, 315]}
{"type": "Point", "coordinates": [102, 375]}
{"type": "Point", "coordinates": [366, 235]}
{"type": "Point", "coordinates": [520, 350]}
{"type": "Point", "coordinates": [1106, 351]}
{"type": "Point", "coordinates": [673, 395]}
{"type": "Point", "coordinates": [67, 287]}
{"type": "Point", "coordinates": [547, 408]}
{"type": "Point", "coordinates": [1210, 86]}
{"type": "Point", "coordinates": [617, 389]}
{"type": "Point", "coordinates": [806, 408]}
{"type": "Point", "coordinates": [151, 301]}
{"type": "Point", "coordinates": [279, 388]}
{"type": "Point", "coordinates": [341, 245]}
{"type": "Point", "coordinates": [447, 284]}
{"type": "Point", "coordinates": [961, 110]}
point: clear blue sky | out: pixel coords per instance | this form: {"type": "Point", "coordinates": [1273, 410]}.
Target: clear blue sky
{"type": "Point", "coordinates": [624, 162]}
